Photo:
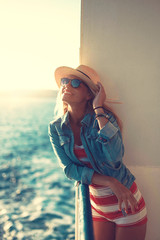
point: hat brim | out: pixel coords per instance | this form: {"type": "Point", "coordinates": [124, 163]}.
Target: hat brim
{"type": "Point", "coordinates": [63, 71]}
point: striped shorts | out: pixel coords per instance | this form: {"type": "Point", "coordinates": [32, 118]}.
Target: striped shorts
{"type": "Point", "coordinates": [104, 202]}
{"type": "Point", "coordinates": [105, 207]}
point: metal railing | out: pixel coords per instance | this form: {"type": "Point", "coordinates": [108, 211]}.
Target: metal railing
{"type": "Point", "coordinates": [83, 214]}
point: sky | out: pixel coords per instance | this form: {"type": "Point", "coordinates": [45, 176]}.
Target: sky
{"type": "Point", "coordinates": [36, 37]}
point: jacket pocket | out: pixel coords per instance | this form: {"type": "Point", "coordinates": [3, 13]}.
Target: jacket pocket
{"type": "Point", "coordinates": [63, 139]}
{"type": "Point", "coordinates": [93, 134]}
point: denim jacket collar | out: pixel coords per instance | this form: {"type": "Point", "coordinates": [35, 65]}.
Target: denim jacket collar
{"type": "Point", "coordinates": [86, 120]}
{"type": "Point", "coordinates": [65, 119]}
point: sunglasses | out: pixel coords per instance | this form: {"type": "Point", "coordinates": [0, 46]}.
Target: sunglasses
{"type": "Point", "coordinates": [74, 82]}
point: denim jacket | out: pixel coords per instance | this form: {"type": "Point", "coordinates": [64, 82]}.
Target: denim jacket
{"type": "Point", "coordinates": [104, 149]}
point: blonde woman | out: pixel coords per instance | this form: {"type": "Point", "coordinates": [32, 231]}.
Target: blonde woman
{"type": "Point", "coordinates": [88, 143]}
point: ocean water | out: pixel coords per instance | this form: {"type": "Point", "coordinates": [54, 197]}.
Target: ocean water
{"type": "Point", "coordinates": [36, 199]}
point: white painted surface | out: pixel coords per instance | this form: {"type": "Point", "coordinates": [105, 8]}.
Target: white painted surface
{"type": "Point", "coordinates": [148, 180]}
{"type": "Point", "coordinates": [121, 41]}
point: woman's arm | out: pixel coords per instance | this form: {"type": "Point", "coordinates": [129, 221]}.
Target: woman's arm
{"type": "Point", "coordinates": [115, 142]}
{"type": "Point", "coordinates": [109, 133]}
{"type": "Point", "coordinates": [97, 102]}
{"type": "Point", "coordinates": [71, 169]}
{"type": "Point", "coordinates": [122, 193]}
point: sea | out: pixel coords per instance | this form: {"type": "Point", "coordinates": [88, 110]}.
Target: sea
{"type": "Point", "coordinates": [37, 201]}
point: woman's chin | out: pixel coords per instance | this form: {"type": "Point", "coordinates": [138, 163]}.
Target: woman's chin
{"type": "Point", "coordinates": [66, 98]}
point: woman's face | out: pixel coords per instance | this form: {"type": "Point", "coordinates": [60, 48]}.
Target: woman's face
{"type": "Point", "coordinates": [75, 95]}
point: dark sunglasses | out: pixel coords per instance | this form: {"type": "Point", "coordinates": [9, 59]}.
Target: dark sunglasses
{"type": "Point", "coordinates": [74, 82]}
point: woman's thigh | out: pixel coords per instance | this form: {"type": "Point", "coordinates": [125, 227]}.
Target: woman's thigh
{"type": "Point", "coordinates": [131, 233]}
{"type": "Point", "coordinates": [104, 230]}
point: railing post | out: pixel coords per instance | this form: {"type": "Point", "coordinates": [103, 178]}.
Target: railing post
{"type": "Point", "coordinates": [84, 229]}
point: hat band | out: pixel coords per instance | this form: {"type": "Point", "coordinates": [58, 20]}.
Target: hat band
{"type": "Point", "coordinates": [83, 73]}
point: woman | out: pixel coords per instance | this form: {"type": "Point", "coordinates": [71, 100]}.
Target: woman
{"type": "Point", "coordinates": [88, 143]}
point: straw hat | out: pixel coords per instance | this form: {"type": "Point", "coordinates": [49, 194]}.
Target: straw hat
{"type": "Point", "coordinates": [85, 73]}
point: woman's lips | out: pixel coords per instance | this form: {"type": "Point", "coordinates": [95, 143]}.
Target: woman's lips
{"type": "Point", "coordinates": [67, 92]}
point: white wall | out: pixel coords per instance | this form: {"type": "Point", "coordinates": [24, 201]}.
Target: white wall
{"type": "Point", "coordinates": [120, 39]}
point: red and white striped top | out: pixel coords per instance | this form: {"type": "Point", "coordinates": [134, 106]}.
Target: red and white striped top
{"type": "Point", "coordinates": [81, 155]}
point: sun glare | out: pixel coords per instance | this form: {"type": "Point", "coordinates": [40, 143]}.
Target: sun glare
{"type": "Point", "coordinates": [36, 37]}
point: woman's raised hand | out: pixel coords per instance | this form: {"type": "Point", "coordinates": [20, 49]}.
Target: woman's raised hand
{"type": "Point", "coordinates": [100, 96]}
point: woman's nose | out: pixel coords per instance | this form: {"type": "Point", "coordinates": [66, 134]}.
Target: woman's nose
{"type": "Point", "coordinates": [68, 85]}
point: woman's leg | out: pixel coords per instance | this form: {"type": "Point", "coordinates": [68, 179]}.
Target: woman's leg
{"type": "Point", "coordinates": [104, 230]}
{"type": "Point", "coordinates": [131, 233]}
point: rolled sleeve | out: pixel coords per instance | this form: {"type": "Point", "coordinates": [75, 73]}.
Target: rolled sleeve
{"type": "Point", "coordinates": [79, 173]}
{"type": "Point", "coordinates": [108, 131]}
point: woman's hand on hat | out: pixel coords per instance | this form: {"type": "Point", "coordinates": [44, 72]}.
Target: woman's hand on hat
{"type": "Point", "coordinates": [100, 96]}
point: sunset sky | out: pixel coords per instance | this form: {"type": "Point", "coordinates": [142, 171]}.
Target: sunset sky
{"type": "Point", "coordinates": [36, 37]}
